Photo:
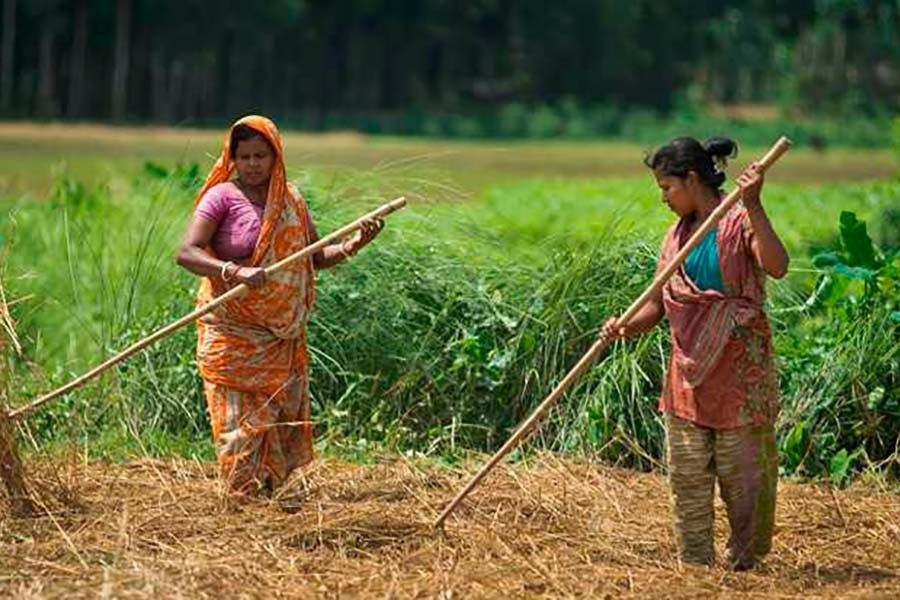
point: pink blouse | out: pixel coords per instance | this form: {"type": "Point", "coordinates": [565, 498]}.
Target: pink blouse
{"type": "Point", "coordinates": [238, 220]}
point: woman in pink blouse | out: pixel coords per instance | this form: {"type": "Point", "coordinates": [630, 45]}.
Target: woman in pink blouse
{"type": "Point", "coordinates": [252, 351]}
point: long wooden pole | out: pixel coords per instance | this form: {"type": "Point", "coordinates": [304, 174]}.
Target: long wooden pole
{"type": "Point", "coordinates": [235, 292]}
{"type": "Point", "coordinates": [774, 153]}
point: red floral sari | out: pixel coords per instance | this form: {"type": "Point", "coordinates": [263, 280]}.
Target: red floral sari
{"type": "Point", "coordinates": [722, 372]}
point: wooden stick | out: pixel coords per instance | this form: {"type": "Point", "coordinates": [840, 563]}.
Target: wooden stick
{"type": "Point", "coordinates": [774, 153]}
{"type": "Point", "coordinates": [235, 292]}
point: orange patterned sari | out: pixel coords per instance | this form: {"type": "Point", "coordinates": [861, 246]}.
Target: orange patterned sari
{"type": "Point", "coordinates": [252, 351]}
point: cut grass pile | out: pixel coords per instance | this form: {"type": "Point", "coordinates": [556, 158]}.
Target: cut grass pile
{"type": "Point", "coordinates": [548, 528]}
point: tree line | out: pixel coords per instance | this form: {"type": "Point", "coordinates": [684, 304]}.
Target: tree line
{"type": "Point", "coordinates": [197, 61]}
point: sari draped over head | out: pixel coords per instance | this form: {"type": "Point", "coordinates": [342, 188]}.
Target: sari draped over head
{"type": "Point", "coordinates": [722, 371]}
{"type": "Point", "coordinates": [252, 351]}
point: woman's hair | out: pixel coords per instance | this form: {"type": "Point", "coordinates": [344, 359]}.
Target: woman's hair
{"type": "Point", "coordinates": [686, 154]}
{"type": "Point", "coordinates": [243, 132]}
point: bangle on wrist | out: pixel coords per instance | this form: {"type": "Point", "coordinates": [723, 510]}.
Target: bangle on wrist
{"type": "Point", "coordinates": [224, 271]}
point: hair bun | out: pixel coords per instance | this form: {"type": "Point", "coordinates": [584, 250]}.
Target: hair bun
{"type": "Point", "coordinates": [721, 148]}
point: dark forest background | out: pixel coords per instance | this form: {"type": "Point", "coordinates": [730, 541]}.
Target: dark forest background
{"type": "Point", "coordinates": [319, 64]}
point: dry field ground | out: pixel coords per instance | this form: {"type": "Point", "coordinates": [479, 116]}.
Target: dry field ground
{"type": "Point", "coordinates": [549, 528]}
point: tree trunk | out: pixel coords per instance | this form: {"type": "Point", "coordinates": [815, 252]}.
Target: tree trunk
{"type": "Point", "coordinates": [158, 86]}
{"type": "Point", "coordinates": [121, 59]}
{"type": "Point", "coordinates": [268, 85]}
{"type": "Point", "coordinates": [193, 91]}
{"type": "Point", "coordinates": [78, 61]}
{"type": "Point", "coordinates": [840, 60]}
{"type": "Point", "coordinates": [7, 64]}
{"type": "Point", "coordinates": [46, 101]}
{"type": "Point", "coordinates": [223, 86]}
{"type": "Point", "coordinates": [385, 86]}
{"type": "Point", "coordinates": [175, 97]}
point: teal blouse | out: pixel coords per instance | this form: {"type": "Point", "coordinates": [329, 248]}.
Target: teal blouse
{"type": "Point", "coordinates": [702, 264]}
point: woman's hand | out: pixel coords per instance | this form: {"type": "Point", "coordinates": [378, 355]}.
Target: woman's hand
{"type": "Point", "coordinates": [611, 332]}
{"type": "Point", "coordinates": [767, 247]}
{"type": "Point", "coordinates": [251, 276]}
{"type": "Point", "coordinates": [368, 231]}
{"type": "Point", "coordinates": [751, 182]}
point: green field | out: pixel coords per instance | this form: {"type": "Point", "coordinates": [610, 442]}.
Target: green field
{"type": "Point", "coordinates": [30, 153]}
{"type": "Point", "coordinates": [446, 332]}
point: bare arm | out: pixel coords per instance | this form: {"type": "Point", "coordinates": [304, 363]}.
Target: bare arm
{"type": "Point", "coordinates": [328, 256]}
{"type": "Point", "coordinates": [646, 319]}
{"type": "Point", "coordinates": [194, 257]}
{"type": "Point", "coordinates": [335, 254]}
{"type": "Point", "coordinates": [766, 245]}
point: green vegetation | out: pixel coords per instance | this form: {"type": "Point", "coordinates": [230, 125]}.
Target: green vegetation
{"type": "Point", "coordinates": [850, 410]}
{"type": "Point", "coordinates": [443, 335]}
{"type": "Point", "coordinates": [35, 154]}
{"type": "Point", "coordinates": [568, 120]}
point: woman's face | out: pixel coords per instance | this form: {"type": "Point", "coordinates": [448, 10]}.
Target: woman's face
{"type": "Point", "coordinates": [253, 160]}
{"type": "Point", "coordinates": [677, 192]}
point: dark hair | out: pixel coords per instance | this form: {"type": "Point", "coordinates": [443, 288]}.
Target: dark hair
{"type": "Point", "coordinates": [242, 133]}
{"type": "Point", "coordinates": [686, 154]}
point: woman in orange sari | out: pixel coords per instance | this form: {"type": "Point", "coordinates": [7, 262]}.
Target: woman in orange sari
{"type": "Point", "coordinates": [720, 393]}
{"type": "Point", "coordinates": [252, 351]}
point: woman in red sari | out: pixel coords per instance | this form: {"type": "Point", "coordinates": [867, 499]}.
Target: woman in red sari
{"type": "Point", "coordinates": [252, 351]}
{"type": "Point", "coordinates": [720, 391]}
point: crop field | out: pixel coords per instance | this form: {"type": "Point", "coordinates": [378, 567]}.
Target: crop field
{"type": "Point", "coordinates": [427, 349]}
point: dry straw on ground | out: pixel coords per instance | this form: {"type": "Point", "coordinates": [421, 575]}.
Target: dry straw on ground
{"type": "Point", "coordinates": [12, 476]}
{"type": "Point", "coordinates": [551, 528]}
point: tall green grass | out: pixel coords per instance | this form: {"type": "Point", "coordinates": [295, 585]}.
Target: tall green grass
{"type": "Point", "coordinates": [447, 331]}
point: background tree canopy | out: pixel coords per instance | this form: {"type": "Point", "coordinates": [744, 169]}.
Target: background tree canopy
{"type": "Point", "coordinates": [196, 61]}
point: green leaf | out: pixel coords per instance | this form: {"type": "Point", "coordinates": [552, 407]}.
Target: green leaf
{"type": "Point", "coordinates": [827, 259]}
{"type": "Point", "coordinates": [840, 465]}
{"type": "Point", "coordinates": [855, 272]}
{"type": "Point", "coordinates": [795, 445]}
{"type": "Point", "coordinates": [155, 170]}
{"type": "Point", "coordinates": [876, 398]}
{"type": "Point", "coordinates": [856, 241]}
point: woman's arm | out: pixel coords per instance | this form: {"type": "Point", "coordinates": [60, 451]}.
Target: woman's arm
{"type": "Point", "coordinates": [194, 257]}
{"type": "Point", "coordinates": [767, 247]}
{"type": "Point", "coordinates": [335, 254]}
{"type": "Point", "coordinates": [646, 319]}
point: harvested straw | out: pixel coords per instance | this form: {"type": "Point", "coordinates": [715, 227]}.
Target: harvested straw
{"type": "Point", "coordinates": [555, 528]}
{"type": "Point", "coordinates": [11, 470]}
